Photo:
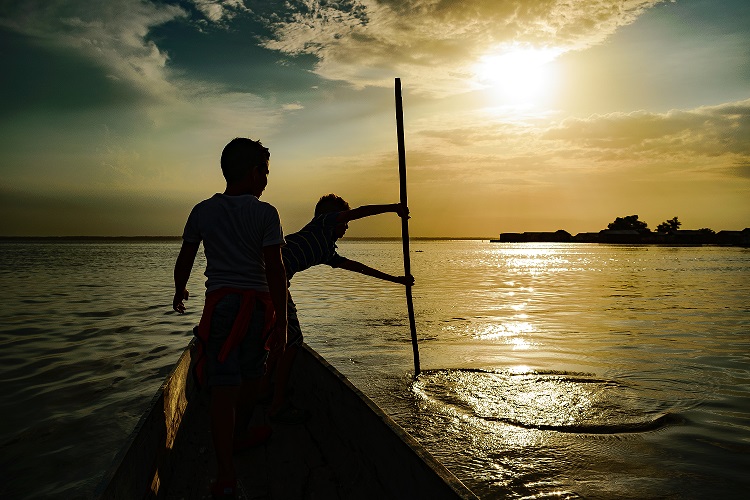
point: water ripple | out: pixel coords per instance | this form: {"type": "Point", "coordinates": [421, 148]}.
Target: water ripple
{"type": "Point", "coordinates": [552, 401]}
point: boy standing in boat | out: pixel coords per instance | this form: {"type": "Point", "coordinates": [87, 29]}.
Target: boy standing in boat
{"type": "Point", "coordinates": [246, 290]}
{"type": "Point", "coordinates": [312, 245]}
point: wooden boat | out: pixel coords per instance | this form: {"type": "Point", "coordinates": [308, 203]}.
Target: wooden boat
{"type": "Point", "coordinates": [349, 449]}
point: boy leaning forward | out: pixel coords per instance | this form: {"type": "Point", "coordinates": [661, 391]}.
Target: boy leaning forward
{"type": "Point", "coordinates": [245, 312]}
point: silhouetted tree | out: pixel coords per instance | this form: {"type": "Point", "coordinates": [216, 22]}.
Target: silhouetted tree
{"type": "Point", "coordinates": [629, 222]}
{"type": "Point", "coordinates": [707, 230]}
{"type": "Point", "coordinates": [668, 226]}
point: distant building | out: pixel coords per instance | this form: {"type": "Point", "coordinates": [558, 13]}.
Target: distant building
{"type": "Point", "coordinates": [633, 236]}
{"type": "Point", "coordinates": [510, 238]}
{"type": "Point", "coordinates": [692, 237]}
{"type": "Point", "coordinates": [741, 238]}
{"type": "Point", "coordinates": [586, 238]}
{"type": "Point", "coordinates": [559, 236]}
{"type": "Point", "coordinates": [620, 236]}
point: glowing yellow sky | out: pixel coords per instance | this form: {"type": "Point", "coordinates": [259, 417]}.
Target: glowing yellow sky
{"type": "Point", "coordinates": [519, 116]}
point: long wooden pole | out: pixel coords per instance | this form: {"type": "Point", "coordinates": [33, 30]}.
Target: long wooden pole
{"type": "Point", "coordinates": [405, 221]}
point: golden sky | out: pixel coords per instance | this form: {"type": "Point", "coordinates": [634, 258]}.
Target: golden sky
{"type": "Point", "coordinates": [519, 115]}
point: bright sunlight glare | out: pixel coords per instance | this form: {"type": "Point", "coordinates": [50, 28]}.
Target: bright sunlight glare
{"type": "Point", "coordinates": [520, 76]}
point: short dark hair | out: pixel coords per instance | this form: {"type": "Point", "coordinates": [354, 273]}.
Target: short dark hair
{"type": "Point", "coordinates": [330, 203]}
{"type": "Point", "coordinates": [242, 155]}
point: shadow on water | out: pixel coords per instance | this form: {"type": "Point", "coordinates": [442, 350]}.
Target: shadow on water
{"type": "Point", "coordinates": [565, 402]}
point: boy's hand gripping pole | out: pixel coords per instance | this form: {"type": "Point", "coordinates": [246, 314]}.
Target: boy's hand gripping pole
{"type": "Point", "coordinates": [405, 221]}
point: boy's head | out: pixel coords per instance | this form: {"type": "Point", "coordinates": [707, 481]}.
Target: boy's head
{"type": "Point", "coordinates": [330, 203]}
{"type": "Point", "coordinates": [241, 156]}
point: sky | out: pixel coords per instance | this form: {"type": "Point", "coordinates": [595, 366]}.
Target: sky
{"type": "Point", "coordinates": [519, 115]}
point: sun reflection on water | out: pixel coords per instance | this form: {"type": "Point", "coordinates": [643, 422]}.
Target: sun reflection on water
{"type": "Point", "coordinates": [569, 365]}
{"type": "Point", "coordinates": [508, 332]}
{"type": "Point", "coordinates": [541, 401]}
{"type": "Point", "coordinates": [519, 370]}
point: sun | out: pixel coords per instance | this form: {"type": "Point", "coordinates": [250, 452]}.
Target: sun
{"type": "Point", "coordinates": [520, 76]}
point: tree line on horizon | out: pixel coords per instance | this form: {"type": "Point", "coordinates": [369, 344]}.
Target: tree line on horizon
{"type": "Point", "coordinates": [630, 229]}
{"type": "Point", "coordinates": [631, 222]}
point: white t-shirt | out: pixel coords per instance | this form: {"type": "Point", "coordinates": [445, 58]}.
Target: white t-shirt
{"type": "Point", "coordinates": [234, 230]}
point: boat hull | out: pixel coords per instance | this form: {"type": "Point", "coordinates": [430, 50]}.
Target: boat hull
{"type": "Point", "coordinates": [349, 448]}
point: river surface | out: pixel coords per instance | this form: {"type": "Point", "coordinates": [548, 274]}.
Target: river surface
{"type": "Point", "coordinates": [549, 370]}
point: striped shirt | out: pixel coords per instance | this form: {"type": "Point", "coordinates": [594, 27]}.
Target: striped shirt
{"type": "Point", "coordinates": [312, 245]}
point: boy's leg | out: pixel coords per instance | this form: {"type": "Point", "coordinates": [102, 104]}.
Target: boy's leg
{"type": "Point", "coordinates": [282, 374]}
{"type": "Point", "coordinates": [223, 403]}
{"type": "Point", "coordinates": [265, 389]}
{"type": "Point", "coordinates": [283, 366]}
{"type": "Point", "coordinates": [226, 378]}
{"type": "Point", "coordinates": [248, 396]}
{"type": "Point", "coordinates": [252, 358]}
{"type": "Point", "coordinates": [267, 384]}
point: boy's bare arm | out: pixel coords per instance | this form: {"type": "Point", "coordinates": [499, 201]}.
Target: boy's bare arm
{"type": "Point", "coordinates": [278, 287]}
{"type": "Point", "coordinates": [358, 267]}
{"type": "Point", "coordinates": [182, 269]}
{"type": "Point", "coordinates": [369, 210]}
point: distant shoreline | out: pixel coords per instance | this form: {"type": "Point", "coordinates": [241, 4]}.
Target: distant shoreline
{"type": "Point", "coordinates": [632, 237]}
{"type": "Point", "coordinates": [90, 238]}
{"type": "Point", "coordinates": [179, 238]}
{"type": "Point", "coordinates": [729, 238]}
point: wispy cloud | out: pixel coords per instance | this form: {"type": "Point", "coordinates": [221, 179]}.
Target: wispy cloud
{"type": "Point", "coordinates": [116, 35]}
{"type": "Point", "coordinates": [709, 131]}
{"type": "Point", "coordinates": [112, 33]}
{"type": "Point", "coordinates": [741, 170]}
{"type": "Point", "coordinates": [434, 43]}
{"type": "Point", "coordinates": [218, 10]}
{"type": "Point", "coordinates": [180, 137]}
{"type": "Point", "coordinates": [707, 142]}
{"type": "Point", "coordinates": [293, 106]}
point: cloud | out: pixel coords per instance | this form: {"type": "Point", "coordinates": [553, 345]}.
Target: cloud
{"type": "Point", "coordinates": [435, 43]}
{"type": "Point", "coordinates": [112, 33]}
{"type": "Point", "coordinates": [116, 35]}
{"type": "Point", "coordinates": [218, 10]}
{"type": "Point", "coordinates": [741, 170]}
{"type": "Point", "coordinates": [708, 131]}
{"type": "Point", "coordinates": [181, 137]}
{"type": "Point", "coordinates": [701, 144]}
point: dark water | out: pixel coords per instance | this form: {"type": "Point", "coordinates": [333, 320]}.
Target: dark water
{"type": "Point", "coordinates": [564, 371]}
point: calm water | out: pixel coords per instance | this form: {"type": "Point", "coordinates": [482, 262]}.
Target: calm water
{"type": "Point", "coordinates": [563, 371]}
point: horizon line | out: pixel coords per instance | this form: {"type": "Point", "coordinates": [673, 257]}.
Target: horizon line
{"type": "Point", "coordinates": [173, 237]}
